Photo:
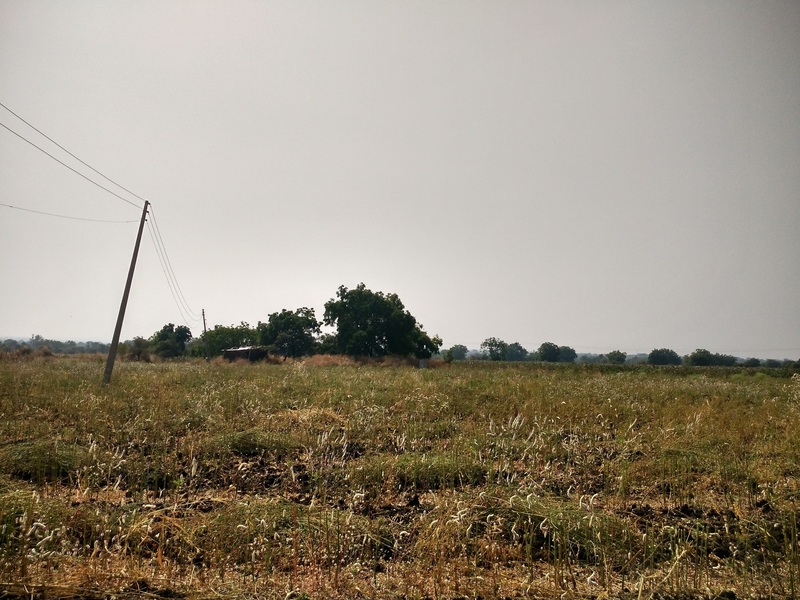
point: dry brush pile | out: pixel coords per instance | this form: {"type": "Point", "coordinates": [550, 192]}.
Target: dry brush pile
{"type": "Point", "coordinates": [465, 481]}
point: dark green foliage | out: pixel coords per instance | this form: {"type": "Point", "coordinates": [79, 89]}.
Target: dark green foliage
{"type": "Point", "coordinates": [725, 360]}
{"type": "Point", "coordinates": [616, 357]}
{"type": "Point", "coordinates": [516, 351]}
{"type": "Point", "coordinates": [704, 358]}
{"type": "Point", "coordinates": [699, 358]}
{"type": "Point", "coordinates": [290, 333]}
{"type": "Point", "coordinates": [495, 348]}
{"type": "Point", "coordinates": [138, 349]}
{"type": "Point", "coordinates": [10, 345]}
{"type": "Point", "coordinates": [459, 352]}
{"type": "Point", "coordinates": [663, 356]}
{"type": "Point", "coordinates": [566, 354]}
{"type": "Point", "coordinates": [170, 341]}
{"type": "Point", "coordinates": [327, 344]}
{"type": "Point", "coordinates": [376, 324]}
{"type": "Point", "coordinates": [548, 352]}
{"type": "Point", "coordinates": [221, 338]}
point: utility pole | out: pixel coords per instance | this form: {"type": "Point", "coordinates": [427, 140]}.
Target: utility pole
{"type": "Point", "coordinates": [205, 336]}
{"type": "Point", "coordinates": [112, 352]}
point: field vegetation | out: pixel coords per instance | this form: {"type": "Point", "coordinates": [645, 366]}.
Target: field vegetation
{"type": "Point", "coordinates": [333, 479]}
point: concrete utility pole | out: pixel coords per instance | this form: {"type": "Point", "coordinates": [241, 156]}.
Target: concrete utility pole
{"type": "Point", "coordinates": [112, 352]}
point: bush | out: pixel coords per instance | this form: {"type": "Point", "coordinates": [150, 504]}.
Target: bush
{"type": "Point", "coordinates": [664, 356]}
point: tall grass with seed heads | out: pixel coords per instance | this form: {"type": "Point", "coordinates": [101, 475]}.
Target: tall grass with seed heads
{"type": "Point", "coordinates": [330, 478]}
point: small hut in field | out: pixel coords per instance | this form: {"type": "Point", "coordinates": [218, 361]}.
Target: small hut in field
{"type": "Point", "coordinates": [251, 353]}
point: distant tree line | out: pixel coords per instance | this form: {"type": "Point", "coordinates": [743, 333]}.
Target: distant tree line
{"type": "Point", "coordinates": [495, 349]}
{"type": "Point", "coordinates": [37, 343]}
{"type": "Point", "coordinates": [366, 323]}
{"type": "Point", "coordinates": [704, 358]}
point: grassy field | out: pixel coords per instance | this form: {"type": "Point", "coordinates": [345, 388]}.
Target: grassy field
{"type": "Point", "coordinates": [332, 480]}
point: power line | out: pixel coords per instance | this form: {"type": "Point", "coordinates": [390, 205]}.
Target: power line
{"type": "Point", "coordinates": [170, 282]}
{"type": "Point", "coordinates": [71, 154]}
{"type": "Point", "coordinates": [39, 212]}
{"type": "Point", "coordinates": [67, 166]}
{"type": "Point", "coordinates": [169, 272]}
{"type": "Point", "coordinates": [155, 233]}
{"type": "Point", "coordinates": [168, 264]}
{"type": "Point", "coordinates": [155, 228]}
{"type": "Point", "coordinates": [163, 270]}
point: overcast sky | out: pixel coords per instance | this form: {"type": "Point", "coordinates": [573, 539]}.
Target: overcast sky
{"type": "Point", "coordinates": [605, 175]}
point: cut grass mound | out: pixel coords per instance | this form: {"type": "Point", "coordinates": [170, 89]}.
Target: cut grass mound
{"type": "Point", "coordinates": [253, 442]}
{"type": "Point", "coordinates": [42, 461]}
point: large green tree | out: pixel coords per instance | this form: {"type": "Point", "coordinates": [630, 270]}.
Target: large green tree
{"type": "Point", "coordinates": [459, 352]}
{"type": "Point", "coordinates": [170, 341]}
{"type": "Point", "coordinates": [221, 338]}
{"type": "Point", "coordinates": [138, 349]}
{"type": "Point", "coordinates": [376, 324]}
{"type": "Point", "coordinates": [516, 352]}
{"type": "Point", "coordinates": [495, 348]}
{"type": "Point", "coordinates": [703, 358]}
{"type": "Point", "coordinates": [663, 356]}
{"type": "Point", "coordinates": [290, 333]}
{"type": "Point", "coordinates": [699, 358]}
{"type": "Point", "coordinates": [567, 354]}
{"type": "Point", "coordinates": [548, 352]}
{"type": "Point", "coordinates": [616, 357]}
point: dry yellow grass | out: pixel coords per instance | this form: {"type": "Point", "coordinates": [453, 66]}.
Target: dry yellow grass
{"type": "Point", "coordinates": [330, 479]}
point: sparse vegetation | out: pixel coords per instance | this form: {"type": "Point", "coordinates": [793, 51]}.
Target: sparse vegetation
{"type": "Point", "coordinates": [329, 478]}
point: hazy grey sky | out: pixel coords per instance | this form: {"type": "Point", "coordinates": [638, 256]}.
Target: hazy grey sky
{"type": "Point", "coordinates": [610, 174]}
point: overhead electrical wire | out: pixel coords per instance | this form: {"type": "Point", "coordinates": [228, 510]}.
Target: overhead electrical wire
{"type": "Point", "coordinates": [72, 155]}
{"type": "Point", "coordinates": [169, 272]}
{"type": "Point", "coordinates": [153, 230]}
{"type": "Point", "coordinates": [40, 212]}
{"type": "Point", "coordinates": [160, 239]}
{"type": "Point", "coordinates": [169, 281]}
{"type": "Point", "coordinates": [70, 168]}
